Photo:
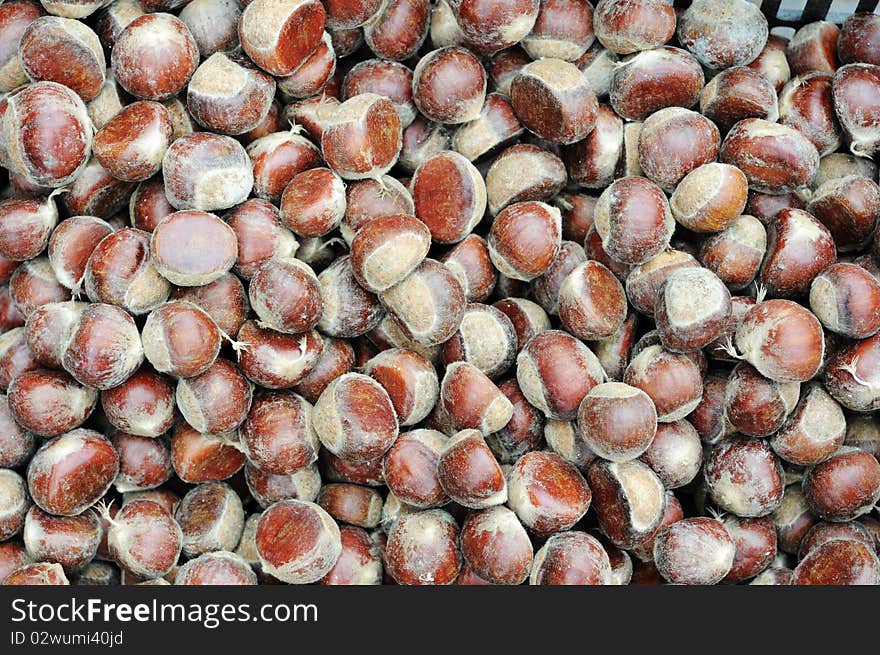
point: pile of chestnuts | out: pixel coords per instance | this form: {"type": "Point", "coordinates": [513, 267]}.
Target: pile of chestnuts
{"type": "Point", "coordinates": [453, 292]}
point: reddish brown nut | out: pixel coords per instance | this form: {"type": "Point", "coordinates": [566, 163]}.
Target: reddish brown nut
{"type": "Point", "coordinates": [723, 33]}
{"type": "Point", "coordinates": [756, 406]}
{"type": "Point", "coordinates": [297, 541]}
{"type": "Point", "coordinates": [555, 371]}
{"type": "Point", "coordinates": [224, 300]}
{"type": "Point", "coordinates": [423, 549]}
{"type": "Point", "coordinates": [449, 85]}
{"type": "Point", "coordinates": [215, 401]}
{"type": "Point", "coordinates": [277, 159]}
{"type": "Point", "coordinates": [286, 296]}
{"type": "Point", "coordinates": [823, 532]}
{"type": "Point", "coordinates": [220, 568]}
{"type": "Point", "coordinates": [206, 172]}
{"type": "Point", "coordinates": [33, 284]}
{"type": "Point", "coordinates": [634, 220]}
{"type": "Point", "coordinates": [654, 79]}
{"type": "Point", "coordinates": [227, 94]}
{"type": "Point", "coordinates": [409, 468]}
{"type": "Point", "coordinates": [554, 100]}
{"type": "Point", "coordinates": [144, 539]}
{"type": "Point", "coordinates": [524, 431]}
{"type": "Point", "coordinates": [213, 24]}
{"type": "Point", "coordinates": [272, 123]}
{"type": "Point", "coordinates": [627, 27]}
{"type": "Point", "coordinates": [369, 199]}
{"type": "Point", "coordinates": [275, 360]}
{"type": "Point", "coordinates": [592, 162]}
{"type": "Point", "coordinates": [775, 158]}
{"type": "Point", "coordinates": [782, 340]}
{"type": "Point", "coordinates": [468, 472]}
{"type": "Point", "coordinates": [277, 435]}
{"type": "Point", "coordinates": [798, 248]}
{"type": "Point", "coordinates": [354, 418]}
{"type": "Point", "coordinates": [387, 249]}
{"type": "Point", "coordinates": [49, 403]}
{"type": "Point", "coordinates": [844, 487]}
{"type": "Point", "coordinates": [736, 253]}
{"type": "Point", "coordinates": [792, 519]}
{"type": "Point", "coordinates": [615, 350]}
{"type": "Point", "coordinates": [848, 207]}
{"type": "Point", "coordinates": [198, 458]}
{"type": "Point", "coordinates": [806, 104]}
{"type": "Point", "coordinates": [617, 421]}
{"type": "Point", "coordinates": [193, 248]}
{"type": "Point", "coordinates": [69, 474]}
{"type": "Point", "coordinates": [268, 488]}
{"type": "Point", "coordinates": [41, 573]}
{"type": "Point", "coordinates": [428, 305]}
{"type": "Point", "coordinates": [846, 298]}
{"type": "Point", "coordinates": [351, 503]}
{"type": "Point", "coordinates": [26, 225]}
{"type": "Point", "coordinates": [14, 504]}
{"type": "Point", "coordinates": [211, 518]}
{"type": "Point", "coordinates": [154, 56]}
{"type": "Point", "coordinates": [449, 195]}
{"type": "Point", "coordinates": [765, 207]}
{"type": "Point", "coordinates": [423, 139]}
{"type": "Point", "coordinates": [851, 375]}
{"type": "Point", "coordinates": [314, 75]}
{"type": "Point", "coordinates": [592, 303]}
{"type": "Point", "coordinates": [148, 204]}
{"type": "Point", "coordinates": [859, 39]}
{"type": "Point", "coordinates": [16, 444]}
{"type": "Point", "coordinates": [496, 546]}
{"type": "Point", "coordinates": [75, 57]}
{"type": "Point", "coordinates": [645, 281]}
{"type": "Point", "coordinates": [696, 551]}
{"type": "Point", "coordinates": [471, 401]}
{"type": "Point", "coordinates": [629, 500]}
{"type": "Point", "coordinates": [572, 558]}
{"type": "Point", "coordinates": [385, 78]}
{"type": "Point", "coordinates": [132, 144]}
{"type": "Point", "coordinates": [755, 543]}
{"type": "Point", "coordinates": [313, 203]}
{"type": "Point", "coordinates": [471, 265]}
{"type": "Point", "coordinates": [409, 379]}
{"type": "Point", "coordinates": [772, 61]}
{"type": "Point", "coordinates": [744, 477]}
{"type": "Point", "coordinates": [546, 287]}
{"type": "Point", "coordinates": [693, 309]}
{"type": "Point", "coordinates": [47, 134]}
{"type": "Point", "coordinates": [349, 309]}
{"type": "Point", "coordinates": [14, 20]}
{"type": "Point", "coordinates": [144, 462]}
{"type": "Point", "coordinates": [143, 405]}
{"type": "Point", "coordinates": [528, 318]}
{"type": "Point", "coordinates": [839, 562]}
{"type": "Point", "coordinates": [181, 339]}
{"type": "Point", "coordinates": [488, 26]}
{"type": "Point", "coordinates": [279, 36]}
{"type": "Point", "coordinates": [518, 256]}
{"type": "Point", "coordinates": [737, 93]}
{"type": "Point", "coordinates": [363, 137]}
{"type": "Point", "coordinates": [260, 236]}
{"type": "Point", "coordinates": [104, 349]}
{"type": "Point", "coordinates": [348, 14]}
{"type": "Point", "coordinates": [360, 562]}
{"type": "Point", "coordinates": [97, 193]}
{"type": "Point", "coordinates": [675, 454]}
{"type": "Point", "coordinates": [72, 244]}
{"type": "Point", "coordinates": [485, 338]}
{"type": "Point", "coordinates": [336, 359]}
{"type": "Point", "coordinates": [566, 440]}
{"type": "Point", "coordinates": [523, 172]}
{"type": "Point", "coordinates": [672, 381]}
{"type": "Point", "coordinates": [547, 493]}
{"type": "Point", "coordinates": [398, 29]}
{"type": "Point", "coordinates": [673, 142]}
{"type": "Point", "coordinates": [12, 556]}
{"type": "Point", "coordinates": [16, 357]}
{"type": "Point", "coordinates": [496, 124]}
{"type": "Point", "coordinates": [814, 48]}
